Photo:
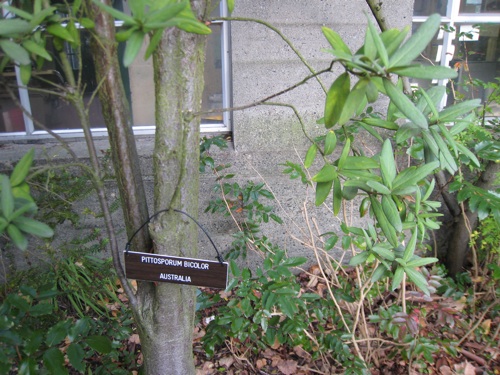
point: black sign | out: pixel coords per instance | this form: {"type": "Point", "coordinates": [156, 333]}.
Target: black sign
{"type": "Point", "coordinates": [177, 270]}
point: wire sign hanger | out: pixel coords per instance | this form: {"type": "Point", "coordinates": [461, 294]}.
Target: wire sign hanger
{"type": "Point", "coordinates": [177, 270]}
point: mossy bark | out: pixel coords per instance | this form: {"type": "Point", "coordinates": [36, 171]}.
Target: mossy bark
{"type": "Point", "coordinates": [167, 313]}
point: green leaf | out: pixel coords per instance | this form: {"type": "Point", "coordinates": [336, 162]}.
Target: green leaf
{"type": "Point", "coordinates": [405, 105]}
{"type": "Point", "coordinates": [410, 247]}
{"type": "Point", "coordinates": [414, 46]}
{"type": "Point", "coordinates": [464, 150]}
{"type": "Point", "coordinates": [384, 253]}
{"type": "Point", "coordinates": [36, 49]}
{"type": "Point", "coordinates": [449, 161]}
{"type": "Point", "coordinates": [27, 366]}
{"type": "Point", "coordinates": [330, 142]}
{"type": "Point", "coordinates": [378, 187]}
{"type": "Point", "coordinates": [393, 38]}
{"type": "Point", "coordinates": [383, 222]}
{"type": "Point", "coordinates": [391, 212]}
{"type": "Point", "coordinates": [425, 72]}
{"type": "Point", "coordinates": [379, 44]}
{"type": "Point", "coordinates": [156, 20]}
{"type": "Point", "coordinates": [230, 6]}
{"type": "Point", "coordinates": [322, 191]}
{"type": "Point", "coordinates": [6, 197]}
{"type": "Point", "coordinates": [22, 168]}
{"type": "Point", "coordinates": [379, 123]}
{"type": "Point", "coordinates": [337, 196]}
{"type": "Point", "coordinates": [420, 262]}
{"type": "Point", "coordinates": [354, 100]}
{"type": "Point", "coordinates": [15, 52]}
{"type": "Point", "coordinates": [387, 164]}
{"type": "Point", "coordinates": [359, 163]}
{"type": "Point", "coordinates": [76, 355]}
{"type": "Point", "coordinates": [25, 72]}
{"type": "Point", "coordinates": [379, 273]}
{"type": "Point", "coordinates": [359, 258]}
{"type": "Point", "coordinates": [430, 99]}
{"type": "Point", "coordinates": [13, 26]}
{"type": "Point", "coordinates": [58, 332]}
{"type": "Point", "coordinates": [335, 41]}
{"type": "Point", "coordinates": [86, 23]}
{"type": "Point", "coordinates": [398, 278]}
{"type": "Point", "coordinates": [133, 47]}
{"type": "Point", "coordinates": [40, 16]}
{"type": "Point", "coordinates": [452, 113]}
{"type": "Point", "coordinates": [418, 279]}
{"type": "Point", "coordinates": [153, 43]}
{"type": "Point", "coordinates": [310, 155]}
{"type": "Point", "coordinates": [60, 31]}
{"type": "Point", "coordinates": [411, 176]}
{"type": "Point", "coordinates": [18, 12]}
{"type": "Point", "coordinates": [116, 13]}
{"type": "Point", "coordinates": [53, 360]}
{"type": "Point", "coordinates": [101, 344]}
{"type": "Point", "coordinates": [336, 98]}
{"type": "Point", "coordinates": [33, 227]}
{"type": "Point", "coordinates": [344, 154]}
{"type": "Point", "coordinates": [327, 173]}
{"type": "Point", "coordinates": [27, 206]}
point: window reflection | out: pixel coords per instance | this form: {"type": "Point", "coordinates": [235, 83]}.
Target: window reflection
{"type": "Point", "coordinates": [480, 6]}
{"type": "Point", "coordinates": [428, 7]}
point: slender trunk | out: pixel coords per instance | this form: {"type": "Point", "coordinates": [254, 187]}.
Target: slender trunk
{"type": "Point", "coordinates": [168, 313]}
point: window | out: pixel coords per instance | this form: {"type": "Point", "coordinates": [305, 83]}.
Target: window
{"type": "Point", "coordinates": [468, 42]}
{"type": "Point", "coordinates": [60, 116]}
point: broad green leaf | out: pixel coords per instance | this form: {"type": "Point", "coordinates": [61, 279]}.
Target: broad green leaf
{"type": "Point", "coordinates": [364, 206]}
{"type": "Point", "coordinates": [383, 222]}
{"type": "Point", "coordinates": [387, 164]}
{"type": "Point", "coordinates": [60, 31]}
{"type": "Point", "coordinates": [345, 153]}
{"type": "Point", "coordinates": [360, 162]}
{"type": "Point", "coordinates": [327, 173]}
{"type": "Point", "coordinates": [379, 273]}
{"type": "Point", "coordinates": [25, 72]}
{"type": "Point", "coordinates": [337, 196]}
{"type": "Point", "coordinates": [18, 12]}
{"type": "Point", "coordinates": [123, 36]}
{"type": "Point", "coordinates": [430, 99]}
{"type": "Point", "coordinates": [53, 360]}
{"type": "Point", "coordinates": [101, 344]}
{"type": "Point", "coordinates": [310, 155]}
{"type": "Point", "coordinates": [391, 212]}
{"type": "Point", "coordinates": [464, 150]}
{"type": "Point", "coordinates": [379, 44]}
{"type": "Point", "coordinates": [371, 92]}
{"type": "Point", "coordinates": [134, 44]}
{"type": "Point", "coordinates": [87, 23]}
{"type": "Point", "coordinates": [349, 192]}
{"type": "Point", "coordinates": [368, 50]}
{"type": "Point", "coordinates": [40, 16]}
{"type": "Point", "coordinates": [414, 46]}
{"type": "Point", "coordinates": [137, 8]}
{"type": "Point", "coordinates": [153, 43]}
{"type": "Point", "coordinates": [393, 38]}
{"type": "Point", "coordinates": [354, 100]}
{"type": "Point", "coordinates": [462, 124]}
{"type": "Point", "coordinates": [384, 253]}
{"type": "Point", "coordinates": [230, 6]}
{"type": "Point", "coordinates": [425, 72]}
{"type": "Point", "coordinates": [330, 142]}
{"type": "Point", "coordinates": [398, 278]}
{"type": "Point", "coordinates": [116, 13]}
{"type": "Point", "coordinates": [410, 247]}
{"type": "Point", "coordinates": [6, 197]}
{"type": "Point", "coordinates": [17, 237]}
{"type": "Point", "coordinates": [22, 168]}
{"type": "Point", "coordinates": [418, 279]}
{"type": "Point", "coordinates": [335, 41]}
{"type": "Point", "coordinates": [378, 187]}
{"type": "Point", "coordinates": [36, 49]}
{"type": "Point", "coordinates": [13, 26]}
{"type": "Point", "coordinates": [379, 123]}
{"type": "Point", "coordinates": [450, 164]}
{"type": "Point", "coordinates": [451, 142]}
{"type": "Point", "coordinates": [359, 258]}
{"type": "Point", "coordinates": [420, 262]}
{"type": "Point", "coordinates": [3, 224]}
{"type": "Point", "coordinates": [15, 52]}
{"type": "Point", "coordinates": [322, 191]}
{"type": "Point", "coordinates": [76, 355]}
{"type": "Point", "coordinates": [452, 113]}
{"type": "Point", "coordinates": [33, 227]}
{"type": "Point", "coordinates": [28, 366]}
{"type": "Point", "coordinates": [405, 105]}
{"type": "Point", "coordinates": [413, 175]}
{"type": "Point", "coordinates": [165, 13]}
{"type": "Point", "coordinates": [371, 131]}
{"type": "Point", "coordinates": [336, 98]}
{"type": "Point", "coordinates": [26, 207]}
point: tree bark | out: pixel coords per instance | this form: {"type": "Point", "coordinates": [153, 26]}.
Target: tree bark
{"type": "Point", "coordinates": [167, 313]}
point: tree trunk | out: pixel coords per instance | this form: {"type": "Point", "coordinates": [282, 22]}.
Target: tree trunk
{"type": "Point", "coordinates": [465, 223]}
{"type": "Point", "coordinates": [167, 313]}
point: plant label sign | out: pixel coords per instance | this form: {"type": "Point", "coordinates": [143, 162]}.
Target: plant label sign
{"type": "Point", "coordinates": [177, 270]}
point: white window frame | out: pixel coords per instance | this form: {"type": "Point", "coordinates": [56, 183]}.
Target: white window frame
{"type": "Point", "coordinates": [453, 17]}
{"type": "Point", "coordinates": [222, 127]}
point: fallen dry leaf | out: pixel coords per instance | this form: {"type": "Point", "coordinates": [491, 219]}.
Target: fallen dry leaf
{"type": "Point", "coordinates": [288, 367]}
{"type": "Point", "coordinates": [465, 368]}
{"type": "Point", "coordinates": [226, 362]}
{"type": "Point", "coordinates": [134, 339]}
{"type": "Point", "coordinates": [261, 362]}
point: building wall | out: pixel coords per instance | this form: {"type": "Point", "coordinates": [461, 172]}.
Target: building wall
{"type": "Point", "coordinates": [264, 137]}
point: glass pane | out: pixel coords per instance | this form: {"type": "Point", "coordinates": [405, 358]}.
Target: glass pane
{"type": "Point", "coordinates": [11, 116]}
{"type": "Point", "coordinates": [476, 57]}
{"type": "Point", "coordinates": [428, 7]}
{"type": "Point", "coordinates": [212, 95]}
{"type": "Point", "coordinates": [53, 111]}
{"type": "Point", "coordinates": [480, 6]}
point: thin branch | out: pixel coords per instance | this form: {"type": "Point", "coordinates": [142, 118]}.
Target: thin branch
{"type": "Point", "coordinates": [282, 36]}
